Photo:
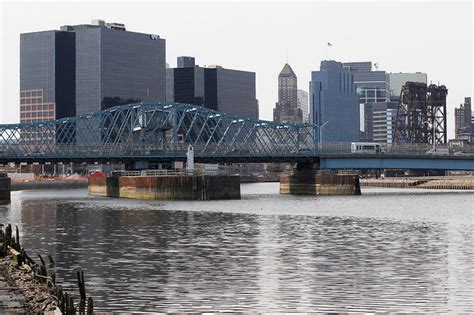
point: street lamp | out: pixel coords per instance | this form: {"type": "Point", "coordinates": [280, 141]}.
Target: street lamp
{"type": "Point", "coordinates": [321, 126]}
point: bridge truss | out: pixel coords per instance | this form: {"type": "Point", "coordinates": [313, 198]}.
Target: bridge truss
{"type": "Point", "coordinates": [152, 131]}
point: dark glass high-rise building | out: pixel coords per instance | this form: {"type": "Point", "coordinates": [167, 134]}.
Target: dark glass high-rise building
{"type": "Point", "coordinates": [116, 66]}
{"type": "Point", "coordinates": [86, 68]}
{"type": "Point", "coordinates": [47, 76]}
{"type": "Point", "coordinates": [334, 103]}
{"type": "Point", "coordinates": [225, 90]}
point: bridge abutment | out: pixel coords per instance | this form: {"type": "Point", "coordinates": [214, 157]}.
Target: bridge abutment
{"type": "Point", "coordinates": [167, 187]}
{"type": "Point", "coordinates": [5, 187]}
{"type": "Point", "coordinates": [305, 180]}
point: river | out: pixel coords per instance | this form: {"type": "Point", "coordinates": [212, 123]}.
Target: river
{"type": "Point", "coordinates": [407, 250]}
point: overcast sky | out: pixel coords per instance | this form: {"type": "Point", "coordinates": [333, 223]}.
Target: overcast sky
{"type": "Point", "coordinates": [431, 37]}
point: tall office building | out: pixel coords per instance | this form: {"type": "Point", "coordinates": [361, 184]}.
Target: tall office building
{"type": "Point", "coordinates": [286, 109]}
{"type": "Point", "coordinates": [373, 87]}
{"type": "Point", "coordinates": [334, 103]}
{"type": "Point", "coordinates": [47, 76]}
{"type": "Point", "coordinates": [186, 62]}
{"type": "Point", "coordinates": [214, 87]}
{"type": "Point", "coordinates": [384, 117]}
{"type": "Point", "coordinates": [464, 128]}
{"type": "Point", "coordinates": [185, 84]}
{"type": "Point", "coordinates": [86, 68]}
{"type": "Point", "coordinates": [303, 105]}
{"type": "Point", "coordinates": [116, 66]}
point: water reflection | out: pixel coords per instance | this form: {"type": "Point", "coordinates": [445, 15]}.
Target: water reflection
{"type": "Point", "coordinates": [143, 259]}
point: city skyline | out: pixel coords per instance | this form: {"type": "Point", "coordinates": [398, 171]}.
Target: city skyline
{"type": "Point", "coordinates": [239, 47]}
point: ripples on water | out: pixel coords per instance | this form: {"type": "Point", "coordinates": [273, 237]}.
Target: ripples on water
{"type": "Point", "coordinates": [388, 250]}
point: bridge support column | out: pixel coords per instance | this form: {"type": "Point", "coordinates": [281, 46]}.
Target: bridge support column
{"type": "Point", "coordinates": [173, 186]}
{"type": "Point", "coordinates": [305, 180]}
{"type": "Point", "coordinates": [5, 187]}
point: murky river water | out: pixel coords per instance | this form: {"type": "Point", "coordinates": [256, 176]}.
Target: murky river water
{"type": "Point", "coordinates": [388, 250]}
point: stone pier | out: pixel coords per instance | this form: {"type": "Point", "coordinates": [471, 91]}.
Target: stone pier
{"type": "Point", "coordinates": [304, 180]}
{"type": "Point", "coordinates": [167, 187]}
{"type": "Point", "coordinates": [5, 187]}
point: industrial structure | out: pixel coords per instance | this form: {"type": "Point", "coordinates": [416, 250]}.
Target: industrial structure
{"type": "Point", "coordinates": [421, 115]}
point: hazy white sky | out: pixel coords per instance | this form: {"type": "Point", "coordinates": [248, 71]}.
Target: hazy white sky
{"type": "Point", "coordinates": [431, 37]}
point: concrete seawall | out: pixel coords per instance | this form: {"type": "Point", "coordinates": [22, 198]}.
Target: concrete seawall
{"type": "Point", "coordinates": [310, 184]}
{"type": "Point", "coordinates": [5, 187]}
{"type": "Point", "coordinates": [181, 187]}
{"type": "Point", "coordinates": [48, 184]}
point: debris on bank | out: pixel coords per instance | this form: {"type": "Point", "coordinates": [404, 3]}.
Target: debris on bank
{"type": "Point", "coordinates": [37, 282]}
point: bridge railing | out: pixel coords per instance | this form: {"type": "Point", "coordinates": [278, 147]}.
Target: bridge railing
{"type": "Point", "coordinates": [231, 149]}
{"type": "Point", "coordinates": [165, 172]}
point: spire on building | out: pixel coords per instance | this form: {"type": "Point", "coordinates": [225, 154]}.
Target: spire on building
{"type": "Point", "coordinates": [287, 71]}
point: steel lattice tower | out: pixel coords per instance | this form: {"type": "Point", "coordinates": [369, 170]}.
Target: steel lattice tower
{"type": "Point", "coordinates": [421, 115]}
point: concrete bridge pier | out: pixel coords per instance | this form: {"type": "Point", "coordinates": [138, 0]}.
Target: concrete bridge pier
{"type": "Point", "coordinates": [305, 180]}
{"type": "Point", "coordinates": [5, 187]}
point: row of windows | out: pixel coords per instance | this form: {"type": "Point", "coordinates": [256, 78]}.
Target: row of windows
{"type": "Point", "coordinates": [31, 93]}
{"type": "Point", "coordinates": [37, 107]}
{"type": "Point", "coordinates": [47, 114]}
{"type": "Point", "coordinates": [31, 100]}
{"type": "Point", "coordinates": [32, 120]}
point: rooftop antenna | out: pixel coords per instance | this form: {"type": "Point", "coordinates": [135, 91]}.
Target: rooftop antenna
{"type": "Point", "coordinates": [376, 65]}
{"type": "Point", "coordinates": [286, 55]}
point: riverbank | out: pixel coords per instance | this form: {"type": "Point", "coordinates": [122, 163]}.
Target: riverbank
{"type": "Point", "coordinates": [435, 182]}
{"type": "Point", "coordinates": [11, 299]}
{"type": "Point", "coordinates": [32, 287]}
{"type": "Point", "coordinates": [48, 184]}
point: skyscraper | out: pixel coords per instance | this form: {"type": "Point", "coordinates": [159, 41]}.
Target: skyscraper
{"type": "Point", "coordinates": [86, 68]}
{"type": "Point", "coordinates": [47, 76]}
{"type": "Point", "coordinates": [372, 87]}
{"type": "Point", "coordinates": [115, 66]}
{"type": "Point", "coordinates": [214, 87]}
{"type": "Point", "coordinates": [303, 105]}
{"type": "Point", "coordinates": [334, 103]}
{"type": "Point", "coordinates": [286, 109]}
{"type": "Point", "coordinates": [384, 117]}
{"type": "Point", "coordinates": [464, 128]}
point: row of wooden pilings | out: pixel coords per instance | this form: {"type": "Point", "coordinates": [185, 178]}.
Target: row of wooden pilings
{"type": "Point", "coordinates": [45, 276]}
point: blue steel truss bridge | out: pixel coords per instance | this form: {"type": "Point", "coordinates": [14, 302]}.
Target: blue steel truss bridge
{"type": "Point", "coordinates": [163, 132]}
